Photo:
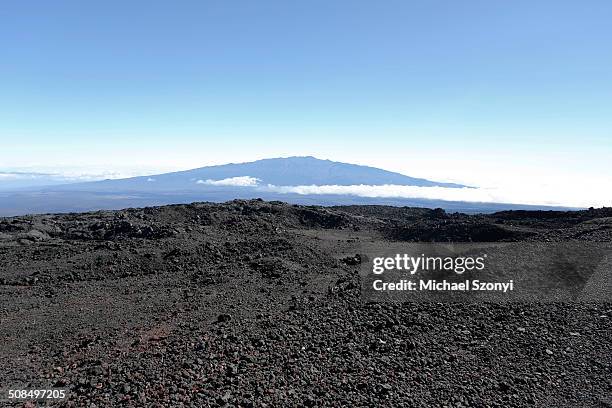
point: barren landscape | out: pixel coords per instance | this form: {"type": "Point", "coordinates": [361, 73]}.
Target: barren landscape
{"type": "Point", "coordinates": [255, 304]}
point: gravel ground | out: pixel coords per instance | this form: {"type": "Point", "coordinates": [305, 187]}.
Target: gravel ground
{"type": "Point", "coordinates": [253, 303]}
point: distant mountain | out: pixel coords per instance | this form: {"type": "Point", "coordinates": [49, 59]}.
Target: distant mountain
{"type": "Point", "coordinates": [300, 180]}
{"type": "Point", "coordinates": [290, 171]}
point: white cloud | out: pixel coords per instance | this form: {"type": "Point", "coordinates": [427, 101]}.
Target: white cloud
{"type": "Point", "coordinates": [81, 173]}
{"type": "Point", "coordinates": [575, 196]}
{"type": "Point", "coordinates": [67, 176]}
{"type": "Point", "coordinates": [387, 190]}
{"type": "Point", "coordinates": [13, 176]}
{"type": "Point", "coordinates": [242, 181]}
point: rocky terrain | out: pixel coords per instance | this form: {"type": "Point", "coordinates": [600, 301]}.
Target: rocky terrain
{"type": "Point", "coordinates": [258, 304]}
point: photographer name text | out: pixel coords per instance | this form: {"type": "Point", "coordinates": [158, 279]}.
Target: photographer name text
{"type": "Point", "coordinates": [443, 285]}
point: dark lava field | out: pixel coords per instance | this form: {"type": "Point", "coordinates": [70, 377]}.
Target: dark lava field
{"type": "Point", "coordinates": [258, 304]}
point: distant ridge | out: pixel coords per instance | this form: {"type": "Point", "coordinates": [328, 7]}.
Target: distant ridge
{"type": "Point", "coordinates": [288, 171]}
{"type": "Point", "coordinates": [266, 179]}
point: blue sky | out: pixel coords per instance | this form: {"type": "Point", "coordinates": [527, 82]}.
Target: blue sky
{"type": "Point", "coordinates": [478, 92]}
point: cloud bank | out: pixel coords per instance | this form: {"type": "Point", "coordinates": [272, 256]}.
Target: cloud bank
{"type": "Point", "coordinates": [582, 195]}
{"type": "Point", "coordinates": [574, 196]}
{"type": "Point", "coordinates": [388, 191]}
{"type": "Point", "coordinates": [66, 176]}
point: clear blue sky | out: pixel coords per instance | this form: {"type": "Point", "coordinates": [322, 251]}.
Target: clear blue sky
{"type": "Point", "coordinates": [185, 83]}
